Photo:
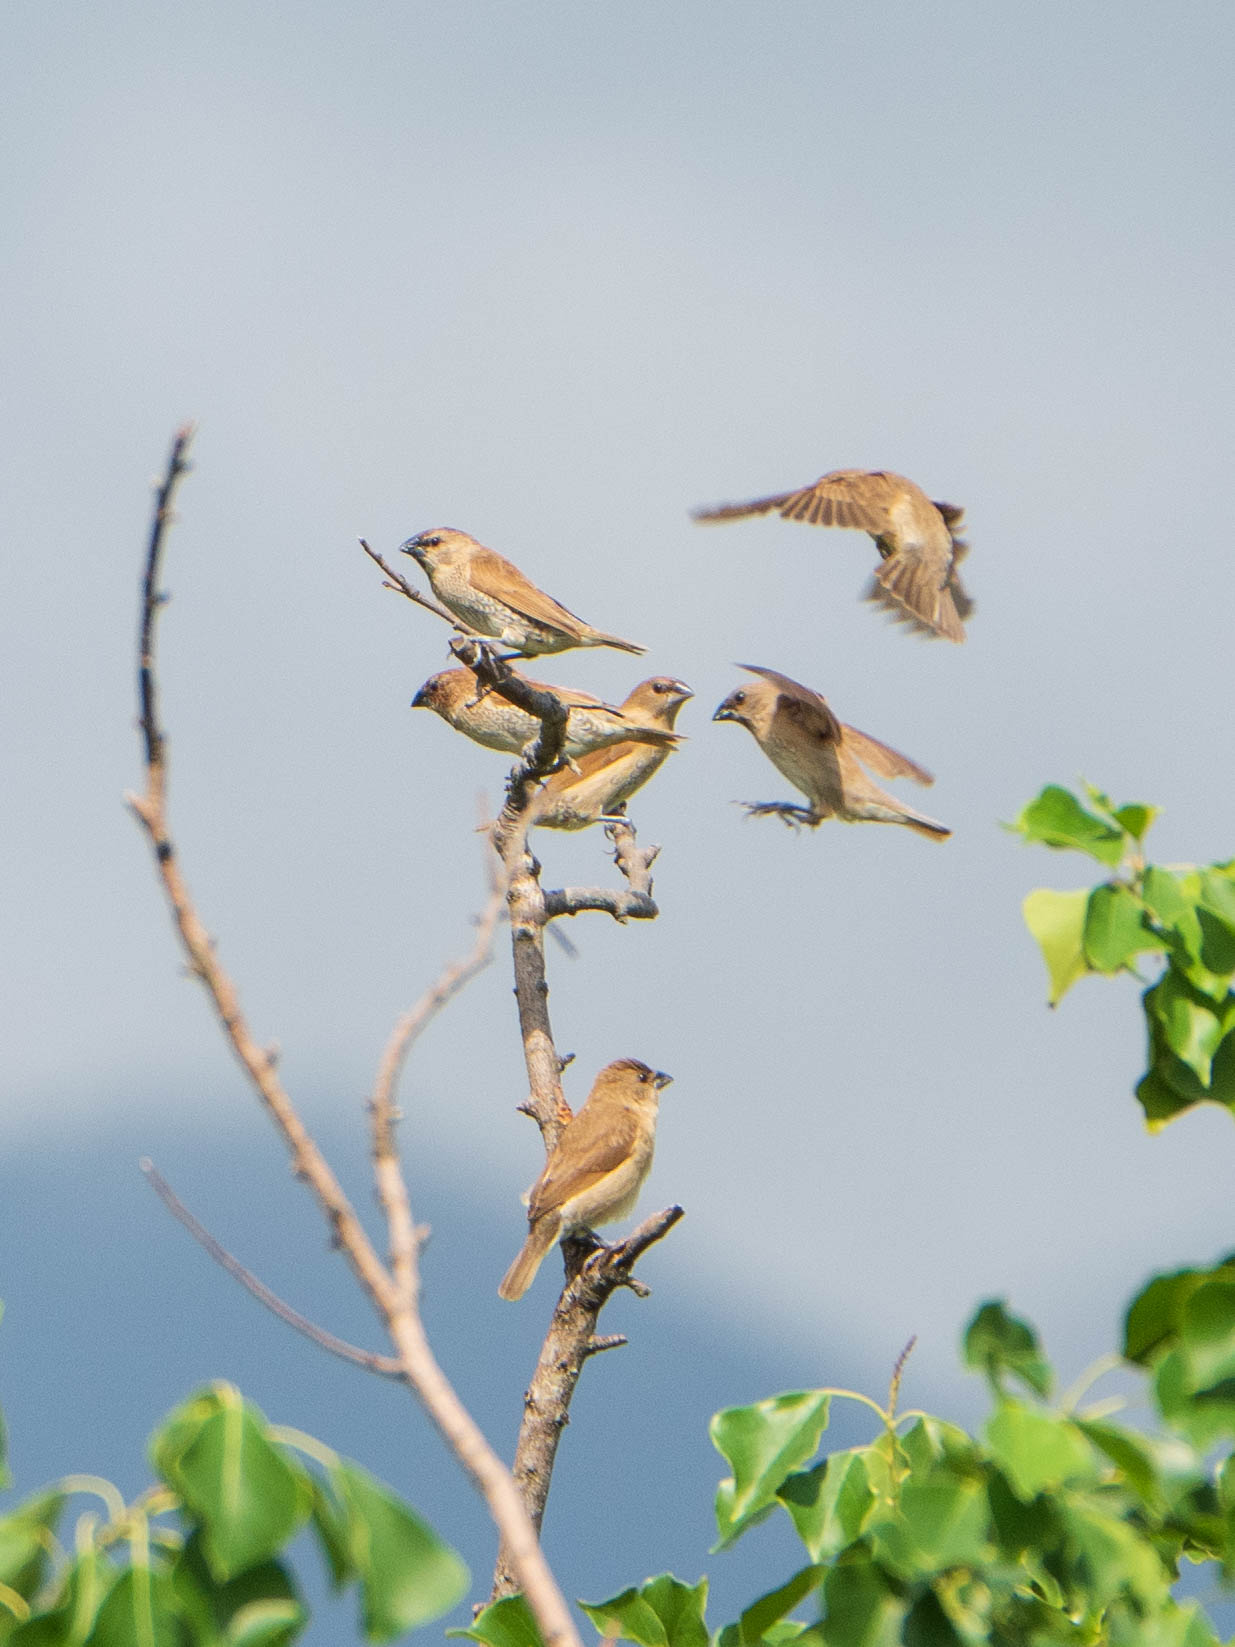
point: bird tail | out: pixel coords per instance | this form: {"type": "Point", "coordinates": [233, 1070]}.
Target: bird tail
{"type": "Point", "coordinates": [923, 825]}
{"type": "Point", "coordinates": [519, 1277]}
{"type": "Point", "coordinates": [908, 588]}
{"type": "Point", "coordinates": [598, 638]}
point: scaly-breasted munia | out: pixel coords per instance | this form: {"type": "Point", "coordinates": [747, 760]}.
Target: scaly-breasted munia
{"type": "Point", "coordinates": [607, 778]}
{"type": "Point", "coordinates": [488, 718]}
{"type": "Point", "coordinates": [597, 1170]}
{"type": "Point", "coordinates": [491, 595]}
{"type": "Point", "coordinates": [822, 756]}
{"type": "Point", "coordinates": [918, 540]}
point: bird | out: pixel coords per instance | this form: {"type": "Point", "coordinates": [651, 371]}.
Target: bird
{"type": "Point", "coordinates": [492, 597]}
{"type": "Point", "coordinates": [597, 1170]}
{"type": "Point", "coordinates": [822, 756]}
{"type": "Point", "coordinates": [919, 541]}
{"type": "Point", "coordinates": [483, 715]}
{"type": "Point", "coordinates": [606, 778]}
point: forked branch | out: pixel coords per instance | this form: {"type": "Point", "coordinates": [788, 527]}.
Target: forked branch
{"type": "Point", "coordinates": [392, 1297]}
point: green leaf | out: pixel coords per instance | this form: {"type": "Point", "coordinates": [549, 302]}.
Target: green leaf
{"type": "Point", "coordinates": [25, 1536]}
{"type": "Point", "coordinates": [1135, 817]}
{"type": "Point", "coordinates": [81, 1591]}
{"type": "Point", "coordinates": [260, 1608]}
{"type": "Point", "coordinates": [1115, 929]}
{"type": "Point", "coordinates": [861, 1607]}
{"type": "Point", "coordinates": [408, 1575]}
{"type": "Point", "coordinates": [763, 1444]}
{"type": "Point", "coordinates": [763, 1615]}
{"type": "Point", "coordinates": [140, 1611]}
{"type": "Point", "coordinates": [246, 1496]}
{"type": "Point", "coordinates": [1113, 1558]}
{"type": "Point", "coordinates": [330, 1523]}
{"type": "Point", "coordinates": [507, 1623]}
{"type": "Point", "coordinates": [663, 1612]}
{"type": "Point", "coordinates": [942, 1522]}
{"type": "Point", "coordinates": [1191, 1028]}
{"type": "Point", "coordinates": [1207, 1334]}
{"type": "Point", "coordinates": [1057, 921]}
{"type": "Point", "coordinates": [1057, 819]}
{"type": "Point", "coordinates": [828, 1504]}
{"type": "Point", "coordinates": [1037, 1451]}
{"type": "Point", "coordinates": [1000, 1344]}
{"type": "Point", "coordinates": [1152, 1322]}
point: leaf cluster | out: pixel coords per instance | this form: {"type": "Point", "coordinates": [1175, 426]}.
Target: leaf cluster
{"type": "Point", "coordinates": [200, 1559]}
{"type": "Point", "coordinates": [1054, 1524]}
{"type": "Point", "coordinates": [1182, 916]}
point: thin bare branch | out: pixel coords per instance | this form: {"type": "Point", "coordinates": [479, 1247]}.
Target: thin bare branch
{"type": "Point", "coordinates": [388, 1175]}
{"type": "Point", "coordinates": [401, 586]}
{"type": "Point", "coordinates": [402, 1321]}
{"type": "Point", "coordinates": [386, 1365]}
{"type": "Point", "coordinates": [593, 1275]}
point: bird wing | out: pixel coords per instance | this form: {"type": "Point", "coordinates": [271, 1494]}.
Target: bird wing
{"type": "Point", "coordinates": [846, 497]}
{"type": "Point", "coordinates": [805, 707]}
{"type": "Point", "coordinates": [888, 763]}
{"type": "Point", "coordinates": [601, 1140]}
{"type": "Point", "coordinates": [492, 574]}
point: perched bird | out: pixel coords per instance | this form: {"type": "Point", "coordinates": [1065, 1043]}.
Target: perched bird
{"type": "Point", "coordinates": [597, 1170]}
{"type": "Point", "coordinates": [822, 756]}
{"type": "Point", "coordinates": [486, 717]}
{"type": "Point", "coordinates": [607, 778]}
{"type": "Point", "coordinates": [492, 596]}
{"type": "Point", "coordinates": [918, 540]}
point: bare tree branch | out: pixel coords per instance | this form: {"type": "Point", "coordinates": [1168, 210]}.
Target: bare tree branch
{"type": "Point", "coordinates": [399, 1315]}
{"type": "Point", "coordinates": [387, 1170]}
{"type": "Point", "coordinates": [401, 586]}
{"type": "Point", "coordinates": [386, 1365]}
{"type": "Point", "coordinates": [593, 1274]}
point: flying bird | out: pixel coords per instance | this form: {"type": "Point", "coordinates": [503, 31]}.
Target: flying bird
{"type": "Point", "coordinates": [606, 779]}
{"type": "Point", "coordinates": [919, 541]}
{"type": "Point", "coordinates": [483, 715]}
{"type": "Point", "coordinates": [822, 756]}
{"type": "Point", "coordinates": [492, 597]}
{"type": "Point", "coordinates": [597, 1170]}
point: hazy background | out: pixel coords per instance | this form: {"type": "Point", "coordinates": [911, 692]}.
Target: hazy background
{"type": "Point", "coordinates": [554, 275]}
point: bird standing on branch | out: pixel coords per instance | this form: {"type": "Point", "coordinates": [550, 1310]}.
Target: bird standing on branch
{"type": "Point", "coordinates": [918, 540]}
{"type": "Point", "coordinates": [597, 1170]}
{"type": "Point", "coordinates": [822, 757]}
{"type": "Point", "coordinates": [492, 597]}
{"type": "Point", "coordinates": [482, 714]}
{"type": "Point", "coordinates": [606, 779]}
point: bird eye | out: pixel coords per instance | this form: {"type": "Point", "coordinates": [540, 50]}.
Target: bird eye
{"type": "Point", "coordinates": [660, 687]}
{"type": "Point", "coordinates": [739, 697]}
{"type": "Point", "coordinates": [430, 543]}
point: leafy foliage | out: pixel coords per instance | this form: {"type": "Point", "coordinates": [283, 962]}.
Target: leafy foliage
{"type": "Point", "coordinates": [1184, 915]}
{"type": "Point", "coordinates": [198, 1561]}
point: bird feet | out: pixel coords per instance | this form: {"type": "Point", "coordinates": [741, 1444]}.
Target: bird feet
{"type": "Point", "coordinates": [793, 817]}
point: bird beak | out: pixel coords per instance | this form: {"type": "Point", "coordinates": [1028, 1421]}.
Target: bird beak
{"type": "Point", "coordinates": [412, 548]}
{"type": "Point", "coordinates": [660, 1079]}
{"type": "Point", "coordinates": [421, 700]}
{"type": "Point", "coordinates": [724, 713]}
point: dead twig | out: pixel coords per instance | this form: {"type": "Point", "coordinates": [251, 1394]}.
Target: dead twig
{"type": "Point", "coordinates": [401, 1319]}
{"type": "Point", "coordinates": [386, 1365]}
{"type": "Point", "coordinates": [401, 586]}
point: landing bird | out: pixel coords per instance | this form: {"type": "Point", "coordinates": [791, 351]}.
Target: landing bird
{"type": "Point", "coordinates": [597, 1170]}
{"type": "Point", "coordinates": [492, 597]}
{"type": "Point", "coordinates": [486, 717]}
{"type": "Point", "coordinates": [607, 778]}
{"type": "Point", "coordinates": [822, 756]}
{"type": "Point", "coordinates": [918, 540]}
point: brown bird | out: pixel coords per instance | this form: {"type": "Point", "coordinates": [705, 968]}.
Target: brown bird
{"type": "Point", "coordinates": [489, 594]}
{"type": "Point", "coordinates": [597, 1170]}
{"type": "Point", "coordinates": [919, 541]}
{"type": "Point", "coordinates": [607, 778]}
{"type": "Point", "coordinates": [486, 717]}
{"type": "Point", "coordinates": [822, 756]}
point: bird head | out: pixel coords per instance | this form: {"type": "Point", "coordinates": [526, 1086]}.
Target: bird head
{"type": "Point", "coordinates": [434, 693]}
{"type": "Point", "coordinates": [659, 699]}
{"type": "Point", "coordinates": [437, 547]}
{"type": "Point", "coordinates": [738, 706]}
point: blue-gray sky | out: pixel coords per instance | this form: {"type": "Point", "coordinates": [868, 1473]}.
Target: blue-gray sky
{"type": "Point", "coordinates": [555, 275]}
